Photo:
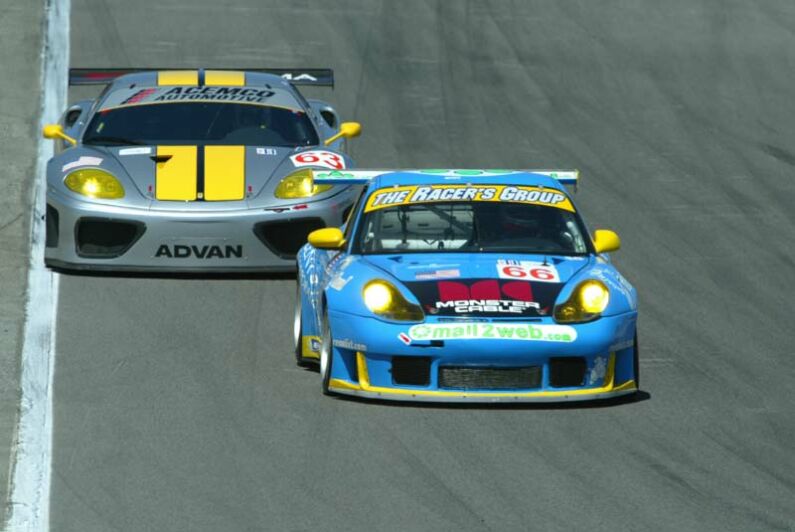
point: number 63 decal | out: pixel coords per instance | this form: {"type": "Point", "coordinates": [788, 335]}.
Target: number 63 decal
{"type": "Point", "coordinates": [527, 270]}
{"type": "Point", "coordinates": [326, 159]}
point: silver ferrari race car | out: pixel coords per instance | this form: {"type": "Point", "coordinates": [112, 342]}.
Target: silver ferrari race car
{"type": "Point", "coordinates": [193, 170]}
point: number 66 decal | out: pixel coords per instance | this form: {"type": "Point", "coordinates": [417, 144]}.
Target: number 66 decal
{"type": "Point", "coordinates": [527, 270]}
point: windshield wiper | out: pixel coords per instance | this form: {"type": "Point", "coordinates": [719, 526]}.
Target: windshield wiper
{"type": "Point", "coordinates": [102, 141]}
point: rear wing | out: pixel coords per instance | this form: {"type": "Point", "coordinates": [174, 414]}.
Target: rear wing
{"type": "Point", "coordinates": [361, 177]}
{"type": "Point", "coordinates": [319, 77]}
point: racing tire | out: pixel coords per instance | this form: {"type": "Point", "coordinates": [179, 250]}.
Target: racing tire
{"type": "Point", "coordinates": [298, 333]}
{"type": "Point", "coordinates": [636, 362]}
{"type": "Point", "coordinates": [326, 354]}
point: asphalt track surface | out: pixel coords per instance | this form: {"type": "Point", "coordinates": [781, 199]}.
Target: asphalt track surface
{"type": "Point", "coordinates": [177, 402]}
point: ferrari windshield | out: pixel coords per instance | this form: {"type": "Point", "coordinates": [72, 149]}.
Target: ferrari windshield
{"type": "Point", "coordinates": [218, 123]}
{"type": "Point", "coordinates": [472, 227]}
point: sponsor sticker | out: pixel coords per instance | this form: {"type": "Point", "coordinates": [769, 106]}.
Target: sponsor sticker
{"type": "Point", "coordinates": [214, 94]}
{"type": "Point", "coordinates": [266, 151]}
{"type": "Point", "coordinates": [492, 306]}
{"type": "Point", "coordinates": [205, 251]}
{"type": "Point", "coordinates": [485, 297]}
{"type": "Point", "coordinates": [338, 282]}
{"type": "Point", "coordinates": [438, 274]}
{"type": "Point", "coordinates": [300, 77]}
{"type": "Point", "coordinates": [326, 159]}
{"type": "Point", "coordinates": [135, 151]}
{"type": "Point", "coordinates": [407, 195]}
{"type": "Point", "coordinates": [349, 344]}
{"type": "Point", "coordinates": [527, 270]}
{"type": "Point", "coordinates": [82, 161]}
{"type": "Point", "coordinates": [403, 337]}
{"type": "Point", "coordinates": [493, 331]}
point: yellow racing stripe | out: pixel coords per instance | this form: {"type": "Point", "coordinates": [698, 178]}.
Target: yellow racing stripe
{"type": "Point", "coordinates": [227, 78]}
{"type": "Point", "coordinates": [178, 77]}
{"type": "Point", "coordinates": [224, 173]}
{"type": "Point", "coordinates": [175, 176]}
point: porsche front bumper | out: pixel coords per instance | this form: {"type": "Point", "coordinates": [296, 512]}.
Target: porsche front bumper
{"type": "Point", "coordinates": [372, 359]}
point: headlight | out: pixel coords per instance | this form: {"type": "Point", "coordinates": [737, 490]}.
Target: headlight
{"type": "Point", "coordinates": [299, 185]}
{"type": "Point", "coordinates": [384, 300]}
{"type": "Point", "coordinates": [94, 183]}
{"type": "Point", "coordinates": [586, 303]}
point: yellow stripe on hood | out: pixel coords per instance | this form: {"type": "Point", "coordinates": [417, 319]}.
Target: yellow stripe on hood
{"type": "Point", "coordinates": [224, 173]}
{"type": "Point", "coordinates": [178, 77]}
{"type": "Point", "coordinates": [175, 177]}
{"type": "Point", "coordinates": [228, 78]}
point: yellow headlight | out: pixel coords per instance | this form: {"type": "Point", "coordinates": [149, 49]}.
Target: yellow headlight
{"type": "Point", "coordinates": [385, 300]}
{"type": "Point", "coordinates": [377, 297]}
{"type": "Point", "coordinates": [299, 185]}
{"type": "Point", "coordinates": [594, 297]}
{"type": "Point", "coordinates": [586, 303]}
{"type": "Point", "coordinates": [94, 183]}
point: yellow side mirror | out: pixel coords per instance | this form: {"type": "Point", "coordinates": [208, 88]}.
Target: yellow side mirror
{"type": "Point", "coordinates": [55, 131]}
{"type": "Point", "coordinates": [347, 130]}
{"type": "Point", "coordinates": [327, 238]}
{"type": "Point", "coordinates": [605, 241]}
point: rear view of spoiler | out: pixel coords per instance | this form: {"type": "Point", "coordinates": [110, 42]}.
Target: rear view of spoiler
{"type": "Point", "coordinates": [319, 77]}
{"type": "Point", "coordinates": [360, 177]}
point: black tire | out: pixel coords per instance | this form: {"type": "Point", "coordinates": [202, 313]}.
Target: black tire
{"type": "Point", "coordinates": [298, 335]}
{"type": "Point", "coordinates": [636, 362]}
{"type": "Point", "coordinates": [326, 354]}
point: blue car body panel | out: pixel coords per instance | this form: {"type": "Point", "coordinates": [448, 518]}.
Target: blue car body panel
{"type": "Point", "coordinates": [371, 354]}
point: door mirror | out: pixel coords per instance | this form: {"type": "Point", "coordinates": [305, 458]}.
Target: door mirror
{"type": "Point", "coordinates": [327, 238]}
{"type": "Point", "coordinates": [55, 131]}
{"type": "Point", "coordinates": [347, 130]}
{"type": "Point", "coordinates": [605, 241]}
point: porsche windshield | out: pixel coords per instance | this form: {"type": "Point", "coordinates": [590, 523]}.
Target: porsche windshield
{"type": "Point", "coordinates": [201, 123]}
{"type": "Point", "coordinates": [477, 226]}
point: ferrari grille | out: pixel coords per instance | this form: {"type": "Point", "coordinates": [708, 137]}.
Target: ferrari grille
{"type": "Point", "coordinates": [285, 238]}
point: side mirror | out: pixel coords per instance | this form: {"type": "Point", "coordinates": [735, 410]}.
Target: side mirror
{"type": "Point", "coordinates": [55, 131]}
{"type": "Point", "coordinates": [605, 241]}
{"type": "Point", "coordinates": [327, 238]}
{"type": "Point", "coordinates": [347, 130]}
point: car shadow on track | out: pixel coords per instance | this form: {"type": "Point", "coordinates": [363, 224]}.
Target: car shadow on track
{"type": "Point", "coordinates": [638, 397]}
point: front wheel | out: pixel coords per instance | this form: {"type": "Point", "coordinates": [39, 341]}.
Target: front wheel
{"type": "Point", "coordinates": [298, 333]}
{"type": "Point", "coordinates": [326, 354]}
{"type": "Point", "coordinates": [636, 362]}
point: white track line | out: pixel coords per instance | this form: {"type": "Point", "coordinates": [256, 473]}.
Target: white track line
{"type": "Point", "coordinates": [30, 482]}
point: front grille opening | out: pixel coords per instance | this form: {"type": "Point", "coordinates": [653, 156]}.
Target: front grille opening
{"type": "Point", "coordinates": [473, 378]}
{"type": "Point", "coordinates": [101, 238]}
{"type": "Point", "coordinates": [411, 371]}
{"type": "Point", "coordinates": [286, 237]}
{"type": "Point", "coordinates": [566, 371]}
{"type": "Point", "coordinates": [52, 227]}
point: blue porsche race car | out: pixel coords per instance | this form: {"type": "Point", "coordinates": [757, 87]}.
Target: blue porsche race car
{"type": "Point", "coordinates": [465, 285]}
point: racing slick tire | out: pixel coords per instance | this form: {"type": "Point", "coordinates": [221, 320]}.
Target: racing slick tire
{"type": "Point", "coordinates": [298, 334]}
{"type": "Point", "coordinates": [636, 362]}
{"type": "Point", "coordinates": [326, 354]}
